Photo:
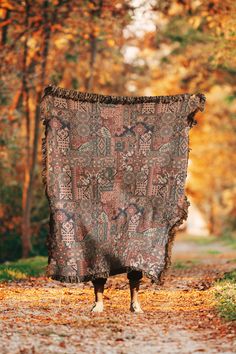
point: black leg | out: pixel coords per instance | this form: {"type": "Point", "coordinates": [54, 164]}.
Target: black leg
{"type": "Point", "coordinates": [99, 281]}
{"type": "Point", "coordinates": [134, 276]}
{"type": "Point", "coordinates": [98, 284]}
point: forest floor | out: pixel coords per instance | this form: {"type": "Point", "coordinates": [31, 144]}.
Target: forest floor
{"type": "Point", "coordinates": [40, 315]}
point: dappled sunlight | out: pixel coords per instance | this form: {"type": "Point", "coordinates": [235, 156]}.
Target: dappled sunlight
{"type": "Point", "coordinates": [61, 302]}
{"type": "Point", "coordinates": [184, 305]}
{"type": "Point", "coordinates": [122, 48]}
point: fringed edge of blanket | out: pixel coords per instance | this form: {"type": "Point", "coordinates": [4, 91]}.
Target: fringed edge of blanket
{"type": "Point", "coordinates": [44, 163]}
{"type": "Point", "coordinates": [44, 168]}
{"type": "Point", "coordinates": [199, 106]}
{"type": "Point", "coordinates": [171, 237]}
{"type": "Point", "coordinates": [159, 279]}
{"type": "Point", "coordinates": [87, 278]}
{"type": "Point", "coordinates": [58, 91]}
{"type": "Point", "coordinates": [43, 119]}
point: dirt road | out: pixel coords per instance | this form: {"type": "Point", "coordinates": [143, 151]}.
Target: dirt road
{"type": "Point", "coordinates": [42, 316]}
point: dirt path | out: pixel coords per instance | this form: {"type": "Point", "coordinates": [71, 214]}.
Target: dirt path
{"type": "Point", "coordinates": [41, 316]}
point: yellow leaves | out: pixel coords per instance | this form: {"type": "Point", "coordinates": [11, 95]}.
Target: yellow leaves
{"type": "Point", "coordinates": [175, 9]}
{"type": "Point", "coordinates": [14, 274]}
{"type": "Point", "coordinates": [104, 77]}
{"type": "Point", "coordinates": [55, 2]}
{"type": "Point", "coordinates": [195, 21]}
{"type": "Point", "coordinates": [5, 23]}
{"type": "Point", "coordinates": [219, 18]}
{"type": "Point", "coordinates": [46, 299]}
{"type": "Point", "coordinates": [179, 300]}
{"type": "Point", "coordinates": [218, 30]}
{"type": "Point", "coordinates": [57, 26]}
{"type": "Point", "coordinates": [70, 36]}
{"type": "Point", "coordinates": [96, 30]}
{"type": "Point", "coordinates": [7, 5]}
{"type": "Point", "coordinates": [212, 24]}
{"type": "Point", "coordinates": [32, 43]}
{"type": "Point", "coordinates": [111, 42]}
{"type": "Point", "coordinates": [60, 42]}
{"type": "Point", "coordinates": [48, 313]}
{"type": "Point", "coordinates": [91, 5]}
{"type": "Point", "coordinates": [85, 36]}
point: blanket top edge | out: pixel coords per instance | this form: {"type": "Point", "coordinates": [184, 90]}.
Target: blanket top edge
{"type": "Point", "coordinates": [53, 90]}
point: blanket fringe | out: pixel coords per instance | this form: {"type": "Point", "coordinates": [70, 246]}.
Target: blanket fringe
{"type": "Point", "coordinates": [159, 279]}
{"type": "Point", "coordinates": [200, 107]}
{"type": "Point", "coordinates": [77, 279]}
{"type": "Point", "coordinates": [52, 90]}
{"type": "Point", "coordinates": [44, 162]}
{"type": "Point", "coordinates": [171, 238]}
{"type": "Point", "coordinates": [44, 118]}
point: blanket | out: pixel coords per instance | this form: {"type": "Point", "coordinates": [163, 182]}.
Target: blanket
{"type": "Point", "coordinates": [114, 170]}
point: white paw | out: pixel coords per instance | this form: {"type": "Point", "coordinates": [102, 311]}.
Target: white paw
{"type": "Point", "coordinates": [135, 307]}
{"type": "Point", "coordinates": [97, 307]}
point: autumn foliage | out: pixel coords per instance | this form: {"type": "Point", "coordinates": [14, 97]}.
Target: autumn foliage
{"type": "Point", "coordinates": [114, 47]}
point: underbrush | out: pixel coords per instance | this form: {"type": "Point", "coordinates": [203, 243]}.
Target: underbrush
{"type": "Point", "coordinates": [23, 268]}
{"type": "Point", "coordinates": [225, 294]}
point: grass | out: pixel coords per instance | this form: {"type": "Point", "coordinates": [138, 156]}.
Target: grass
{"type": "Point", "coordinates": [185, 264]}
{"type": "Point", "coordinates": [229, 240]}
{"type": "Point", "coordinates": [226, 239]}
{"type": "Point", "coordinates": [202, 240]}
{"type": "Point", "coordinates": [225, 294]}
{"type": "Point", "coordinates": [23, 268]}
{"type": "Point", "coordinates": [213, 252]}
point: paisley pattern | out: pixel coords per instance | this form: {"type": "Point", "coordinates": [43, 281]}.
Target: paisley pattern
{"type": "Point", "coordinates": [114, 174]}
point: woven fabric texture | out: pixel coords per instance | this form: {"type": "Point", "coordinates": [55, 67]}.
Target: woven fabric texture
{"type": "Point", "coordinates": [114, 170]}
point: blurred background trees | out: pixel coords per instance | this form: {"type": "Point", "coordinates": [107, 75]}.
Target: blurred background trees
{"type": "Point", "coordinates": [121, 48]}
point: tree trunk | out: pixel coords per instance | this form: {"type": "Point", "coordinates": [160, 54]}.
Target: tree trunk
{"type": "Point", "coordinates": [93, 47]}
{"type": "Point", "coordinates": [30, 174]}
{"type": "Point", "coordinates": [93, 50]}
{"type": "Point", "coordinates": [5, 28]}
{"type": "Point", "coordinates": [25, 226]}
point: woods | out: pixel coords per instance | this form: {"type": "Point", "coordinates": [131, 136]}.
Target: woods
{"type": "Point", "coordinates": [40, 38]}
{"type": "Point", "coordinates": [92, 45]}
{"type": "Point", "coordinates": [122, 48]}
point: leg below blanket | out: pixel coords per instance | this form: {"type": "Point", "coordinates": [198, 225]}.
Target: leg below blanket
{"type": "Point", "coordinates": [134, 283]}
{"type": "Point", "coordinates": [98, 284]}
